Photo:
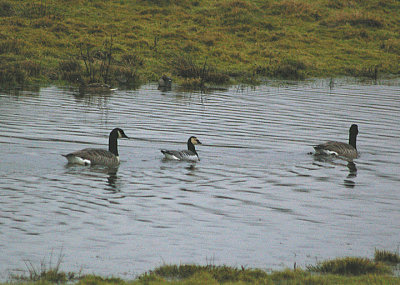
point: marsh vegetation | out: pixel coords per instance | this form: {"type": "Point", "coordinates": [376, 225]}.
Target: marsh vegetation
{"type": "Point", "coordinates": [347, 270]}
{"type": "Point", "coordinates": [197, 42]}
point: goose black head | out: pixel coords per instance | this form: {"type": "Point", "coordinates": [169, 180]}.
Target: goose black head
{"type": "Point", "coordinates": [120, 133]}
{"type": "Point", "coordinates": [354, 129]}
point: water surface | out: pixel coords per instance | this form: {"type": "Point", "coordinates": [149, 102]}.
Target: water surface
{"type": "Point", "coordinates": [257, 198]}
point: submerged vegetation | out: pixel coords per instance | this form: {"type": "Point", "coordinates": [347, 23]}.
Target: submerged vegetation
{"type": "Point", "coordinates": [348, 270]}
{"type": "Point", "coordinates": [196, 41]}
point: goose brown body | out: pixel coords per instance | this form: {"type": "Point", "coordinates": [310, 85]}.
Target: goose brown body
{"type": "Point", "coordinates": [345, 150]}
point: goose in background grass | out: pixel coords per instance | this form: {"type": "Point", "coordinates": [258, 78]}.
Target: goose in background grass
{"type": "Point", "coordinates": [188, 155]}
{"type": "Point", "coordinates": [344, 150]}
{"type": "Point", "coordinates": [97, 156]}
{"type": "Point", "coordinates": [165, 83]}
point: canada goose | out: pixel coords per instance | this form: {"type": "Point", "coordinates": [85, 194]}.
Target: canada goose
{"type": "Point", "coordinates": [345, 150]}
{"type": "Point", "coordinates": [165, 82]}
{"type": "Point", "coordinates": [96, 156]}
{"type": "Point", "coordinates": [189, 155]}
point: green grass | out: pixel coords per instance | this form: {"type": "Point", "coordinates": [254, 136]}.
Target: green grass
{"type": "Point", "coordinates": [350, 266]}
{"type": "Point", "coordinates": [238, 39]}
{"type": "Point", "coordinates": [348, 270]}
{"type": "Point", "coordinates": [386, 256]}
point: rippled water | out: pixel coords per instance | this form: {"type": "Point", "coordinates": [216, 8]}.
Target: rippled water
{"type": "Point", "coordinates": [256, 198]}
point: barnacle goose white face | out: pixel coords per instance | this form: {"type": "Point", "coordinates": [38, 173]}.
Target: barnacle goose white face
{"type": "Point", "coordinates": [194, 140]}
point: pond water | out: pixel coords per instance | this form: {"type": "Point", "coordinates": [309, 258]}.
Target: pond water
{"type": "Point", "coordinates": [257, 198]}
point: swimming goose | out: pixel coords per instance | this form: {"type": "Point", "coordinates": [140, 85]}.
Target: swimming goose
{"type": "Point", "coordinates": [345, 150]}
{"type": "Point", "coordinates": [189, 155]}
{"type": "Point", "coordinates": [96, 156]}
{"type": "Point", "coordinates": [165, 82]}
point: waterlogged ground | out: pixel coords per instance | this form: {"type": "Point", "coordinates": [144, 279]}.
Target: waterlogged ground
{"type": "Point", "coordinates": [256, 198]}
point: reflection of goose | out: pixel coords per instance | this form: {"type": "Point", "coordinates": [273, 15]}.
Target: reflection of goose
{"type": "Point", "coordinates": [95, 87]}
{"type": "Point", "coordinates": [352, 169]}
{"type": "Point", "coordinates": [189, 155]}
{"type": "Point", "coordinates": [164, 82]}
{"type": "Point", "coordinates": [345, 150]}
{"type": "Point", "coordinates": [95, 156]}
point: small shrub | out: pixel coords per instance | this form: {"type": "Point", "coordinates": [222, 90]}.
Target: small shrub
{"type": "Point", "coordinates": [349, 266]}
{"type": "Point", "coordinates": [386, 256]}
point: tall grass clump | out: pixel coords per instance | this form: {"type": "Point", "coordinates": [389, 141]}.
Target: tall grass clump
{"type": "Point", "coordinates": [349, 266]}
{"type": "Point", "coordinates": [70, 70]}
{"type": "Point", "coordinates": [197, 75]}
{"type": "Point", "coordinates": [45, 272]}
{"type": "Point", "coordinates": [386, 256]}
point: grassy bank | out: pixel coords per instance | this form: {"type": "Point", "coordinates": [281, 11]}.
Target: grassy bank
{"type": "Point", "coordinates": [348, 270]}
{"type": "Point", "coordinates": [196, 41]}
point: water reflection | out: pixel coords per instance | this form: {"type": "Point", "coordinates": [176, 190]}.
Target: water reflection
{"type": "Point", "coordinates": [95, 172]}
{"type": "Point", "coordinates": [336, 161]}
{"type": "Point", "coordinates": [93, 98]}
{"type": "Point", "coordinates": [352, 169]}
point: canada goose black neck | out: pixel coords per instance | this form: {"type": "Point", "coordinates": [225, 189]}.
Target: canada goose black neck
{"type": "Point", "coordinates": [353, 132]}
{"type": "Point", "coordinates": [113, 142]}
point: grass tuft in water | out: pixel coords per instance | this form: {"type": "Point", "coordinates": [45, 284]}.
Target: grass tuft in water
{"type": "Point", "coordinates": [350, 266]}
{"type": "Point", "coordinates": [386, 256]}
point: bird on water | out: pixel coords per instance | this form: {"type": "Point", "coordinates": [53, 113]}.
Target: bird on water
{"type": "Point", "coordinates": [97, 156]}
